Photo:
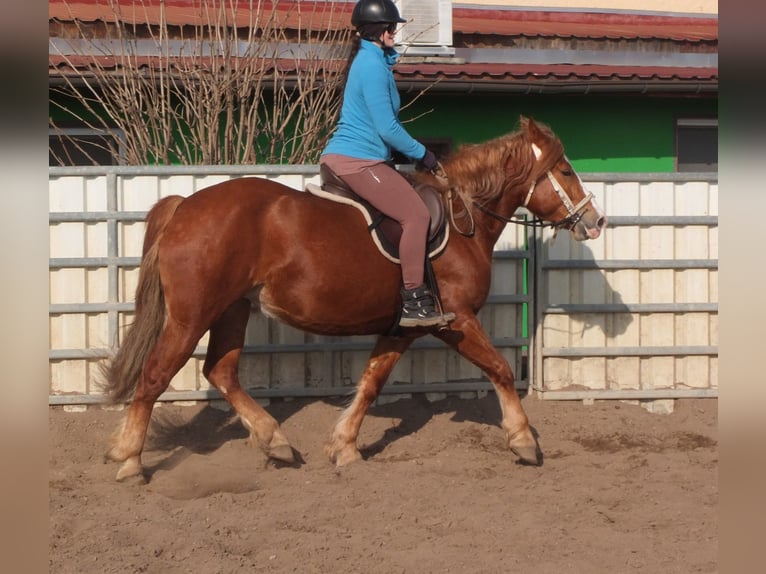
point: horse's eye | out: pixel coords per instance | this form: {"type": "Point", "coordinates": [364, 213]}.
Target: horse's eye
{"type": "Point", "coordinates": [566, 172]}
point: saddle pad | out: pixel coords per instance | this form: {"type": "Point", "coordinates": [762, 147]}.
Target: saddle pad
{"type": "Point", "coordinates": [389, 251]}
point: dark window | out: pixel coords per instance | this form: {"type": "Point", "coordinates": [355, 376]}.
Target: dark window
{"type": "Point", "coordinates": [441, 147]}
{"type": "Point", "coordinates": [697, 144]}
{"type": "Point", "coordinates": [82, 147]}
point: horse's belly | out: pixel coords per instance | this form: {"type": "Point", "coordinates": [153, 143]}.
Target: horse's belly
{"type": "Point", "coordinates": [328, 312]}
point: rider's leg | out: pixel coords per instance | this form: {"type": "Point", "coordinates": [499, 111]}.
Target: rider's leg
{"type": "Point", "coordinates": [388, 191]}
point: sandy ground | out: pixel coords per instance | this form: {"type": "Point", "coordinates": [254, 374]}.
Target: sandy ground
{"type": "Point", "coordinates": [620, 490]}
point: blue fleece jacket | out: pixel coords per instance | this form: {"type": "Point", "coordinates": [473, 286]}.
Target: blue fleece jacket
{"type": "Point", "coordinates": [369, 125]}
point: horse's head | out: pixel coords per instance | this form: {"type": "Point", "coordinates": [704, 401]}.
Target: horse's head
{"type": "Point", "coordinates": [556, 193]}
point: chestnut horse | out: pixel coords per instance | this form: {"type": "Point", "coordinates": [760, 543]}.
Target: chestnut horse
{"type": "Point", "coordinates": [210, 258]}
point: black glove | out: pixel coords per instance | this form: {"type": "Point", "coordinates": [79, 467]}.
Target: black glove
{"type": "Point", "coordinates": [429, 160]}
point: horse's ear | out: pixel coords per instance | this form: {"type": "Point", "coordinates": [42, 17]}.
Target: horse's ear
{"type": "Point", "coordinates": [532, 130]}
{"type": "Point", "coordinates": [537, 135]}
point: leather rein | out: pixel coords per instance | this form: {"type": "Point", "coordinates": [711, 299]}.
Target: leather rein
{"type": "Point", "coordinates": [575, 212]}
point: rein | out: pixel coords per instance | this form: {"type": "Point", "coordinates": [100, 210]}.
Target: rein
{"type": "Point", "coordinates": [567, 222]}
{"type": "Point", "coordinates": [471, 231]}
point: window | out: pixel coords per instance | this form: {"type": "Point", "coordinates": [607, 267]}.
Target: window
{"type": "Point", "coordinates": [84, 146]}
{"type": "Point", "coordinates": [697, 144]}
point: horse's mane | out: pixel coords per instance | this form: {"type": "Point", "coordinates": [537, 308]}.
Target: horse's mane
{"type": "Point", "coordinates": [481, 172]}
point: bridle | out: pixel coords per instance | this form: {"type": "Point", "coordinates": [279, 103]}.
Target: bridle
{"type": "Point", "coordinates": [574, 212]}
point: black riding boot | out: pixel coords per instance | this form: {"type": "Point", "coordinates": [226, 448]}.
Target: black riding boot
{"type": "Point", "coordinates": [419, 309]}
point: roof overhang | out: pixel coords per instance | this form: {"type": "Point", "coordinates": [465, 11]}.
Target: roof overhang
{"type": "Point", "coordinates": [466, 18]}
{"type": "Point", "coordinates": [691, 68]}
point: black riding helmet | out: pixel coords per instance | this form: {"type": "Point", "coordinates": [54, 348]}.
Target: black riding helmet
{"type": "Point", "coordinates": [375, 12]}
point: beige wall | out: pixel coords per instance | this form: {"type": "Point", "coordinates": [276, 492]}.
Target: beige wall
{"type": "Point", "coordinates": [676, 6]}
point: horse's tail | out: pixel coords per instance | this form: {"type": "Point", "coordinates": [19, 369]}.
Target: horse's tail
{"type": "Point", "coordinates": [122, 372]}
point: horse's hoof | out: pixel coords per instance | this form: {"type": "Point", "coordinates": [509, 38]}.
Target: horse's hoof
{"type": "Point", "coordinates": [346, 456]}
{"type": "Point", "coordinates": [279, 449]}
{"type": "Point", "coordinates": [282, 453]}
{"type": "Point", "coordinates": [528, 455]}
{"type": "Point", "coordinates": [131, 471]}
{"type": "Point", "coordinates": [525, 446]}
{"type": "Point", "coordinates": [134, 479]}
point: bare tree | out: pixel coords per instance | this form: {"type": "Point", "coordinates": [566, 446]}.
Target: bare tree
{"type": "Point", "coordinates": [236, 86]}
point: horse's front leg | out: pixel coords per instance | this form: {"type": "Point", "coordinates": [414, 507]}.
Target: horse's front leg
{"type": "Point", "coordinates": [342, 448]}
{"type": "Point", "coordinates": [468, 338]}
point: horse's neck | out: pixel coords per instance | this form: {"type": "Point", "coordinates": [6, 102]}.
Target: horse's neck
{"type": "Point", "coordinates": [504, 202]}
{"type": "Point", "coordinates": [489, 228]}
{"type": "Point", "coordinates": [492, 227]}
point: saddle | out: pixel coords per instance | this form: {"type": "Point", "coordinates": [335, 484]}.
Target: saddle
{"type": "Point", "coordinates": [385, 231]}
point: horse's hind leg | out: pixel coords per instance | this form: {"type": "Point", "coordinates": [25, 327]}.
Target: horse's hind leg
{"type": "Point", "coordinates": [227, 336]}
{"type": "Point", "coordinates": [342, 448]}
{"type": "Point", "coordinates": [173, 349]}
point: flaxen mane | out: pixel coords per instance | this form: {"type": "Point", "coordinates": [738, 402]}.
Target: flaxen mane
{"type": "Point", "coordinates": [470, 177]}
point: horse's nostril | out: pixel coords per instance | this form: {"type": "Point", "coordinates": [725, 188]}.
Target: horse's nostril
{"type": "Point", "coordinates": [601, 222]}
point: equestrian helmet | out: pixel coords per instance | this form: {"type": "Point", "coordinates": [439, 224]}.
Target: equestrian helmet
{"type": "Point", "coordinates": [375, 12]}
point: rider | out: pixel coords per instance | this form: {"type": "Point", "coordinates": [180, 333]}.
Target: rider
{"type": "Point", "coordinates": [361, 146]}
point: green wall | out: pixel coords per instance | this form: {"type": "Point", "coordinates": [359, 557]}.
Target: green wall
{"type": "Point", "coordinates": [600, 133]}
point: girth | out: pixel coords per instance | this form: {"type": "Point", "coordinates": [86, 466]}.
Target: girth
{"type": "Point", "coordinates": [385, 231]}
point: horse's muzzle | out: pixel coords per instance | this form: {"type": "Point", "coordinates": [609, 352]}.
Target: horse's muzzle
{"type": "Point", "coordinates": [590, 225]}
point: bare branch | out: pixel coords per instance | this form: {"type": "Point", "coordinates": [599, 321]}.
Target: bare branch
{"type": "Point", "coordinates": [219, 91]}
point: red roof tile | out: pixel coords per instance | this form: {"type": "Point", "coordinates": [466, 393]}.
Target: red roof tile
{"type": "Point", "coordinates": [553, 71]}
{"type": "Point", "coordinates": [488, 20]}
{"type": "Point", "coordinates": [583, 24]}
{"type": "Point", "coordinates": [191, 12]}
{"type": "Point", "coordinates": [539, 73]}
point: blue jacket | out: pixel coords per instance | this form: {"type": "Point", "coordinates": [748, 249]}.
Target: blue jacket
{"type": "Point", "coordinates": [369, 125]}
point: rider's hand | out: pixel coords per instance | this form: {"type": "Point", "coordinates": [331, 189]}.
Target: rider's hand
{"type": "Point", "coordinates": [429, 160]}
